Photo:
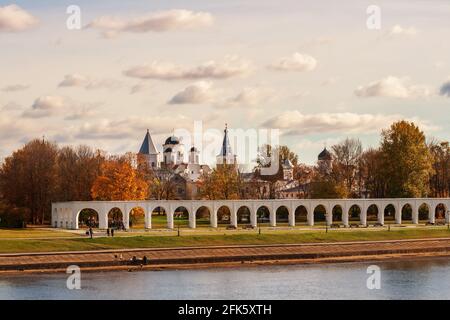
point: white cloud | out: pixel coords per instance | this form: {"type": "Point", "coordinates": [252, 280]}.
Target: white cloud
{"type": "Point", "coordinates": [398, 30]}
{"type": "Point", "coordinates": [15, 87]}
{"type": "Point", "coordinates": [81, 81]}
{"type": "Point", "coordinates": [392, 87]}
{"type": "Point", "coordinates": [231, 66]}
{"type": "Point", "coordinates": [131, 127]}
{"type": "Point", "coordinates": [297, 123]}
{"type": "Point", "coordinates": [15, 19]}
{"type": "Point", "coordinates": [249, 97]}
{"type": "Point", "coordinates": [197, 93]}
{"type": "Point", "coordinates": [152, 22]}
{"type": "Point", "coordinates": [295, 62]}
{"type": "Point", "coordinates": [48, 106]}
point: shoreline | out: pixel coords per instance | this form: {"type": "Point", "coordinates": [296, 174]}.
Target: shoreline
{"type": "Point", "coordinates": [225, 256]}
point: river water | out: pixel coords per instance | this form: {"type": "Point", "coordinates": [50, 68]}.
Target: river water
{"type": "Point", "coordinates": [416, 279]}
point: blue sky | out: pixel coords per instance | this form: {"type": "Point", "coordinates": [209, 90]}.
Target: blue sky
{"type": "Point", "coordinates": [309, 68]}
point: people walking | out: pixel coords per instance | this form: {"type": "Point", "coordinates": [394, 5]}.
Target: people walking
{"type": "Point", "coordinates": [91, 233]}
{"type": "Point", "coordinates": [112, 232]}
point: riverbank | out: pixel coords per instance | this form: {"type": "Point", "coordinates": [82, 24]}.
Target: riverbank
{"type": "Point", "coordinates": [211, 256]}
{"type": "Point", "coordinates": [131, 240]}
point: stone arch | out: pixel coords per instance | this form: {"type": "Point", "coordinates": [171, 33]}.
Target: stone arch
{"type": "Point", "coordinates": [181, 216]}
{"type": "Point", "coordinates": [440, 211]}
{"type": "Point", "coordinates": [243, 215]}
{"type": "Point", "coordinates": [159, 217]}
{"type": "Point", "coordinates": [372, 213]}
{"type": "Point", "coordinates": [301, 215]}
{"type": "Point", "coordinates": [424, 212]}
{"type": "Point", "coordinates": [203, 216]}
{"type": "Point", "coordinates": [137, 217]}
{"type": "Point", "coordinates": [389, 213]}
{"type": "Point", "coordinates": [320, 214]}
{"type": "Point", "coordinates": [354, 213]}
{"type": "Point", "coordinates": [282, 214]}
{"type": "Point", "coordinates": [407, 213]}
{"type": "Point", "coordinates": [224, 215]}
{"type": "Point", "coordinates": [115, 218]}
{"type": "Point", "coordinates": [86, 218]}
{"type": "Point", "coordinates": [263, 214]}
{"type": "Point", "coordinates": [337, 213]}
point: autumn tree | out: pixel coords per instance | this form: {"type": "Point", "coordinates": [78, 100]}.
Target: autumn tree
{"type": "Point", "coordinates": [347, 155]}
{"type": "Point", "coordinates": [371, 180]}
{"type": "Point", "coordinates": [440, 179]}
{"type": "Point", "coordinates": [77, 169]}
{"type": "Point", "coordinates": [28, 178]}
{"type": "Point", "coordinates": [119, 181]}
{"type": "Point", "coordinates": [162, 185]}
{"type": "Point", "coordinates": [223, 183]}
{"type": "Point", "coordinates": [406, 161]}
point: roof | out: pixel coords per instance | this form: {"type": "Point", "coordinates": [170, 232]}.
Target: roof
{"type": "Point", "coordinates": [287, 164]}
{"type": "Point", "coordinates": [172, 140]}
{"type": "Point", "coordinates": [325, 155]}
{"type": "Point", "coordinates": [148, 147]}
{"type": "Point", "coordinates": [226, 147]}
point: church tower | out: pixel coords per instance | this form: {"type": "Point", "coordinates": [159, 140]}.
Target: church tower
{"type": "Point", "coordinates": [149, 151]}
{"type": "Point", "coordinates": [226, 156]}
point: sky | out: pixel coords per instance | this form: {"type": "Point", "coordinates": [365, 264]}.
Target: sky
{"type": "Point", "coordinates": [313, 70]}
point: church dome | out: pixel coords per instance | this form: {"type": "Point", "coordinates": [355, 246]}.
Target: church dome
{"type": "Point", "coordinates": [325, 155]}
{"type": "Point", "coordinates": [194, 149]}
{"type": "Point", "coordinates": [172, 140]}
{"type": "Point", "coordinates": [168, 150]}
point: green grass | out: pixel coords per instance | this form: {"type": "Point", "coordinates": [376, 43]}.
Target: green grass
{"type": "Point", "coordinates": [6, 233]}
{"type": "Point", "coordinates": [269, 237]}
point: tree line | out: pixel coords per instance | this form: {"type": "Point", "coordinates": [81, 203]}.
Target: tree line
{"type": "Point", "coordinates": [404, 165]}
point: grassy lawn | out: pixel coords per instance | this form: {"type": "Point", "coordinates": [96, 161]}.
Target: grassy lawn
{"type": "Point", "coordinates": [33, 233]}
{"type": "Point", "coordinates": [251, 237]}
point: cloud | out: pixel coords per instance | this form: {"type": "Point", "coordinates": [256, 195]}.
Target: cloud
{"type": "Point", "coordinates": [153, 22]}
{"type": "Point", "coordinates": [138, 88]}
{"type": "Point", "coordinates": [297, 123]}
{"type": "Point", "coordinates": [445, 89]}
{"type": "Point", "coordinates": [392, 87]}
{"type": "Point", "coordinates": [131, 127]}
{"type": "Point", "coordinates": [81, 81]}
{"type": "Point", "coordinates": [15, 87]}
{"type": "Point", "coordinates": [398, 30]}
{"type": "Point", "coordinates": [15, 19]}
{"type": "Point", "coordinates": [231, 66]}
{"type": "Point", "coordinates": [296, 62]}
{"type": "Point", "coordinates": [249, 97]}
{"type": "Point", "coordinates": [197, 93]}
{"type": "Point", "coordinates": [45, 106]}
{"type": "Point", "coordinates": [48, 106]}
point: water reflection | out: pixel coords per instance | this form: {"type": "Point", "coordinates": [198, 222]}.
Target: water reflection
{"type": "Point", "coordinates": [420, 279]}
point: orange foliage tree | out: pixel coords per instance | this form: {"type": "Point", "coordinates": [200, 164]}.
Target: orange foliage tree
{"type": "Point", "coordinates": [119, 181]}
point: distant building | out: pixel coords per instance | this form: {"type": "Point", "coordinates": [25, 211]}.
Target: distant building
{"type": "Point", "coordinates": [184, 175]}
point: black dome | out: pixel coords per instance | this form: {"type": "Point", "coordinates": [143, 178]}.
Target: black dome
{"type": "Point", "coordinates": [172, 140]}
{"type": "Point", "coordinates": [168, 150]}
{"type": "Point", "coordinates": [325, 155]}
{"type": "Point", "coordinates": [194, 149]}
